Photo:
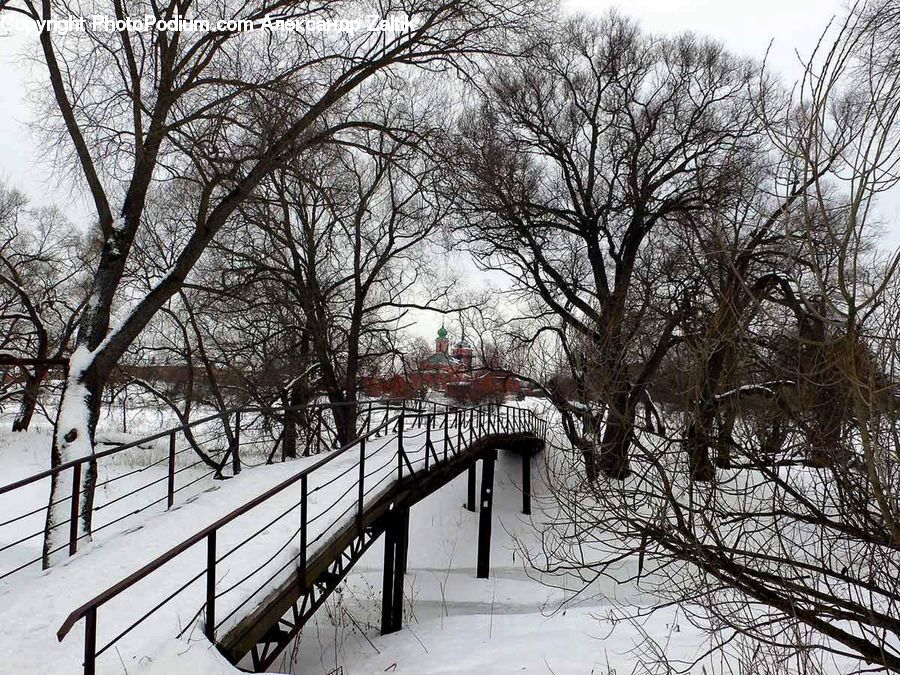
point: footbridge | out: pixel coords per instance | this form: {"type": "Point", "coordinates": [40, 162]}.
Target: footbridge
{"type": "Point", "coordinates": [251, 575]}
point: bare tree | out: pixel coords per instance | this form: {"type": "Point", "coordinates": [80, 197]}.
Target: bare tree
{"type": "Point", "coordinates": [139, 108]}
{"type": "Point", "coordinates": [576, 166]}
{"type": "Point", "coordinates": [345, 237]}
{"type": "Point", "coordinates": [792, 541]}
{"type": "Point", "coordinates": [43, 266]}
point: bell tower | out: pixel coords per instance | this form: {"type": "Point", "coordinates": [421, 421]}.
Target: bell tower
{"type": "Point", "coordinates": [442, 344]}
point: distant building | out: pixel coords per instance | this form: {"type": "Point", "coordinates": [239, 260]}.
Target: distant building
{"type": "Point", "coordinates": [442, 367]}
{"type": "Point", "coordinates": [454, 374]}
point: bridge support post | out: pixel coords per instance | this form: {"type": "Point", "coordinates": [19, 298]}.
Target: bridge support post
{"type": "Point", "coordinates": [402, 541]}
{"type": "Point", "coordinates": [484, 518]}
{"type": "Point", "coordinates": [400, 568]}
{"type": "Point", "coordinates": [526, 483]}
{"type": "Point", "coordinates": [387, 584]}
{"type": "Point", "coordinates": [396, 545]}
{"type": "Point", "coordinates": [470, 494]}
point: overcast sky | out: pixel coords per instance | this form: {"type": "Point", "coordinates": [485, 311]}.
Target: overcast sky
{"type": "Point", "coordinates": [747, 27]}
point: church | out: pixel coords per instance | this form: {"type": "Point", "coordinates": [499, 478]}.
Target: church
{"type": "Point", "coordinates": [452, 373]}
{"type": "Point", "coordinates": [443, 366]}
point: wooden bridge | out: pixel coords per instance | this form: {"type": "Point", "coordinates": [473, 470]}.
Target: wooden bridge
{"type": "Point", "coordinates": [253, 577]}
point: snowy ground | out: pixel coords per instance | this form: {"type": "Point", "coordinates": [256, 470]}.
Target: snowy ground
{"type": "Point", "coordinates": [32, 609]}
{"type": "Point", "coordinates": [510, 623]}
{"type": "Point", "coordinates": [454, 623]}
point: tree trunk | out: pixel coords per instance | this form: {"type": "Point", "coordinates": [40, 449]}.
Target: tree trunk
{"type": "Point", "coordinates": [344, 413]}
{"type": "Point", "coordinates": [699, 437]}
{"type": "Point", "coordinates": [289, 434]}
{"type": "Point", "coordinates": [617, 437]}
{"type": "Point", "coordinates": [29, 399]}
{"type": "Point", "coordinates": [697, 444]}
{"type": "Point", "coordinates": [725, 439]}
{"type": "Point", "coordinates": [824, 434]}
{"type": "Point", "coordinates": [73, 438]}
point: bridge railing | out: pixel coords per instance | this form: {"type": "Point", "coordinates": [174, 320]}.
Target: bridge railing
{"type": "Point", "coordinates": [326, 496]}
{"type": "Point", "coordinates": [158, 470]}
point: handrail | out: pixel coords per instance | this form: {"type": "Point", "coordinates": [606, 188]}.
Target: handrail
{"type": "Point", "coordinates": [46, 473]}
{"type": "Point", "coordinates": [161, 560]}
{"type": "Point", "coordinates": [317, 435]}
{"type": "Point", "coordinates": [224, 520]}
{"type": "Point", "coordinates": [518, 419]}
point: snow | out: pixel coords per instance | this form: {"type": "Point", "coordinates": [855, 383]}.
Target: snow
{"type": "Point", "coordinates": [73, 412]}
{"type": "Point", "coordinates": [181, 656]}
{"type": "Point", "coordinates": [454, 623]}
{"type": "Point", "coordinates": [512, 622]}
{"type": "Point", "coordinates": [509, 623]}
{"type": "Point", "coordinates": [765, 387]}
{"type": "Point", "coordinates": [570, 642]}
{"type": "Point", "coordinates": [32, 612]}
{"type": "Point", "coordinates": [127, 483]}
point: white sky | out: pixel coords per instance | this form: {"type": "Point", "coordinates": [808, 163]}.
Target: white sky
{"type": "Point", "coordinates": [747, 27]}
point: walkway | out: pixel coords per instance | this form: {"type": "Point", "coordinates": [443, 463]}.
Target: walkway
{"type": "Point", "coordinates": [257, 553]}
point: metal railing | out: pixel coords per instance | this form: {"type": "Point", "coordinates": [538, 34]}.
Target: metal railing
{"type": "Point", "coordinates": [225, 438]}
{"type": "Point", "coordinates": [423, 437]}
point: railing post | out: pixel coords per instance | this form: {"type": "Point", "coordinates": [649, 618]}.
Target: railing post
{"type": "Point", "coordinates": [73, 517]}
{"type": "Point", "coordinates": [362, 478]}
{"type": "Point", "coordinates": [303, 518]}
{"type": "Point", "coordinates": [387, 416]}
{"type": "Point", "coordinates": [427, 439]}
{"type": "Point", "coordinates": [446, 433]}
{"type": "Point", "coordinates": [400, 441]}
{"type": "Point", "coordinates": [211, 587]}
{"type": "Point", "coordinates": [170, 491]}
{"type": "Point", "coordinates": [90, 641]}
{"type": "Point", "coordinates": [235, 455]}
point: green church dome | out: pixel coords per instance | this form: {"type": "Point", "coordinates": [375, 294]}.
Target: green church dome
{"type": "Point", "coordinates": [442, 333]}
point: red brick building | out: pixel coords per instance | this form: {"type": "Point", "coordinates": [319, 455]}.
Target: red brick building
{"type": "Point", "coordinates": [453, 373]}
